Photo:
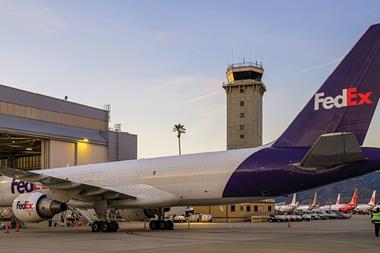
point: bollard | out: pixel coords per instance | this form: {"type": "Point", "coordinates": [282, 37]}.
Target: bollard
{"type": "Point", "coordinates": [17, 227]}
{"type": "Point", "coordinates": [144, 223]}
{"type": "Point", "coordinates": [230, 225]}
{"type": "Point", "coordinates": [188, 224]}
{"type": "Point", "coordinates": [6, 228]}
{"type": "Point", "coordinates": [288, 221]}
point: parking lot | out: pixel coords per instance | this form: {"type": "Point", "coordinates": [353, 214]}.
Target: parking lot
{"type": "Point", "coordinates": [354, 235]}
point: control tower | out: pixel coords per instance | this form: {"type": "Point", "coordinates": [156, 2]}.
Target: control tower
{"type": "Point", "coordinates": [245, 90]}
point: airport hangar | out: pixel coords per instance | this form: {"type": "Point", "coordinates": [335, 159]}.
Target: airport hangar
{"type": "Point", "coordinates": [39, 132]}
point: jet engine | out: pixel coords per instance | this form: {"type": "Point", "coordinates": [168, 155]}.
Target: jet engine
{"type": "Point", "coordinates": [36, 207]}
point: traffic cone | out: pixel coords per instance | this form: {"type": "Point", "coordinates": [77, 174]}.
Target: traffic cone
{"type": "Point", "coordinates": [6, 228]}
{"type": "Point", "coordinates": [17, 227]}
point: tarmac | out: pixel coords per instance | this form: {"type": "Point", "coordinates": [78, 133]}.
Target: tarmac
{"type": "Point", "coordinates": [354, 235]}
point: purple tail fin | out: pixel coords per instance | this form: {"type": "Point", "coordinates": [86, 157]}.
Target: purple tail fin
{"type": "Point", "coordinates": [346, 101]}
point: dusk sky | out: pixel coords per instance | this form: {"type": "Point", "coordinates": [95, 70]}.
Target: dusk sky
{"type": "Point", "coordinates": [162, 62]}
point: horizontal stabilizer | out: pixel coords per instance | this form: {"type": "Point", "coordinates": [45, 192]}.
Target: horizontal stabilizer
{"type": "Point", "coordinates": [333, 149]}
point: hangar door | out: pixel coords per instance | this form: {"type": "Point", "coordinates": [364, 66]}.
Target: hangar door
{"type": "Point", "coordinates": [21, 152]}
{"type": "Point", "coordinates": [62, 154]}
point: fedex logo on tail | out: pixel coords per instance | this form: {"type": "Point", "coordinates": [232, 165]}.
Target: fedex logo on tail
{"type": "Point", "coordinates": [349, 97]}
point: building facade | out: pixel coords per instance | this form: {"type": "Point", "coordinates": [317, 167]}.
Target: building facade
{"type": "Point", "coordinates": [38, 132]}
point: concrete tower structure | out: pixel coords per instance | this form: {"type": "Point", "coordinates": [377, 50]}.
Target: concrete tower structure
{"type": "Point", "coordinates": [245, 90]}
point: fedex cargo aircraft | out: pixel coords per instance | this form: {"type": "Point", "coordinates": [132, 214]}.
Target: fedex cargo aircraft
{"type": "Point", "coordinates": [321, 146]}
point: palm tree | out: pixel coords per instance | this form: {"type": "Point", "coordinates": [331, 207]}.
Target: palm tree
{"type": "Point", "coordinates": [180, 129]}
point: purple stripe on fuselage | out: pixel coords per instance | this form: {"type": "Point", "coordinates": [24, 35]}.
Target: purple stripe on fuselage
{"type": "Point", "coordinates": [270, 172]}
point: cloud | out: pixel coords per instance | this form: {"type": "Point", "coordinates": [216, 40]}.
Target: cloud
{"type": "Point", "coordinates": [198, 98]}
{"type": "Point", "coordinates": [333, 61]}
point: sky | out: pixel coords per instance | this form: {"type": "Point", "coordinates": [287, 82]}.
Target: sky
{"type": "Point", "coordinates": [158, 63]}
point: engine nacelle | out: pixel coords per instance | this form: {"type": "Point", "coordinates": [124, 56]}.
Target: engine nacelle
{"type": "Point", "coordinates": [36, 207]}
{"type": "Point", "coordinates": [140, 214]}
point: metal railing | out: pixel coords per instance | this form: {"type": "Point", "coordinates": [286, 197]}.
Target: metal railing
{"type": "Point", "coordinates": [245, 64]}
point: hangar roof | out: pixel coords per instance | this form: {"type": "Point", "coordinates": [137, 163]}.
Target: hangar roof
{"type": "Point", "coordinates": [26, 98]}
{"type": "Point", "coordinates": [48, 130]}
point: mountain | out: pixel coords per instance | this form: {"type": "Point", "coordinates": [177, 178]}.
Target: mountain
{"type": "Point", "coordinates": [326, 194]}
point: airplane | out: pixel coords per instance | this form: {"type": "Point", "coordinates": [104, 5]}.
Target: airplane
{"type": "Point", "coordinates": [351, 205]}
{"type": "Point", "coordinates": [328, 207]}
{"type": "Point", "coordinates": [313, 205]}
{"type": "Point", "coordinates": [366, 208]}
{"type": "Point", "coordinates": [283, 208]}
{"type": "Point", "coordinates": [346, 207]}
{"type": "Point", "coordinates": [322, 145]}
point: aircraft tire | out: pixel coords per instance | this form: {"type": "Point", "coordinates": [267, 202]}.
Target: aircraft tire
{"type": "Point", "coordinates": [105, 226]}
{"type": "Point", "coordinates": [95, 226]}
{"type": "Point", "coordinates": [154, 224]}
{"type": "Point", "coordinates": [114, 226]}
{"type": "Point", "coordinates": [162, 225]}
{"type": "Point", "coordinates": [169, 225]}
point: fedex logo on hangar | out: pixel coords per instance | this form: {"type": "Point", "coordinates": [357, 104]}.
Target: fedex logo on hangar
{"type": "Point", "coordinates": [349, 97]}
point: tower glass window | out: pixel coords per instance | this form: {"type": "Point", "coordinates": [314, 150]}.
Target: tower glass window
{"type": "Point", "coordinates": [242, 136]}
{"type": "Point", "coordinates": [241, 115]}
{"type": "Point", "coordinates": [241, 103]}
{"type": "Point", "coordinates": [241, 127]}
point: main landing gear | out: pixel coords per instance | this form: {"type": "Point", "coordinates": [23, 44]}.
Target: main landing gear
{"type": "Point", "coordinates": [104, 226]}
{"type": "Point", "coordinates": [161, 223]}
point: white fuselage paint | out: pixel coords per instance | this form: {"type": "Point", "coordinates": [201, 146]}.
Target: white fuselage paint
{"type": "Point", "coordinates": [364, 208]}
{"type": "Point", "coordinates": [190, 179]}
{"type": "Point", "coordinates": [6, 195]}
{"type": "Point", "coordinates": [9, 191]}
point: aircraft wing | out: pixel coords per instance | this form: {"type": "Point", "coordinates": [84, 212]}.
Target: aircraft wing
{"type": "Point", "coordinates": [62, 189]}
{"type": "Point", "coordinates": [68, 189]}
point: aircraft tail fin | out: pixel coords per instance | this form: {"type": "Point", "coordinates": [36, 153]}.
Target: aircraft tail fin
{"type": "Point", "coordinates": [294, 200]}
{"type": "Point", "coordinates": [338, 200]}
{"type": "Point", "coordinates": [372, 201]}
{"type": "Point", "coordinates": [346, 101]}
{"type": "Point", "coordinates": [354, 199]}
{"type": "Point", "coordinates": [314, 204]}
